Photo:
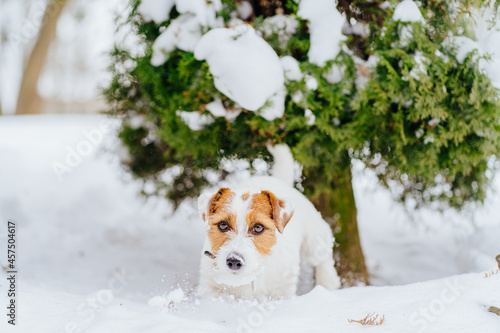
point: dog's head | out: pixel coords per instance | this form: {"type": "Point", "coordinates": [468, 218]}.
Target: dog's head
{"type": "Point", "coordinates": [242, 229]}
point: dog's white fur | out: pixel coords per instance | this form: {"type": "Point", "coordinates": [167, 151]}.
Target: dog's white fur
{"type": "Point", "coordinates": [274, 275]}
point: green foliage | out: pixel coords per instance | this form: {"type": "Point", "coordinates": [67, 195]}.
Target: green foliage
{"type": "Point", "coordinates": [429, 122]}
{"type": "Point", "coordinates": [423, 121]}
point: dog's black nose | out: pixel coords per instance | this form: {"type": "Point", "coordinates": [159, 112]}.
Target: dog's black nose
{"type": "Point", "coordinates": [234, 261]}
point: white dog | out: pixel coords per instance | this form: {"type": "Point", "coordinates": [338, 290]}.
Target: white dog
{"type": "Point", "coordinates": [256, 234]}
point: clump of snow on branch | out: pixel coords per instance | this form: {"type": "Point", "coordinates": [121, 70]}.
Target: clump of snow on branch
{"type": "Point", "coordinates": [216, 108]}
{"type": "Point", "coordinates": [276, 107]}
{"type": "Point", "coordinates": [311, 82]}
{"type": "Point", "coordinates": [464, 46]}
{"type": "Point", "coordinates": [244, 9]}
{"type": "Point", "coordinates": [486, 44]}
{"type": "Point", "coordinates": [291, 68]}
{"type": "Point", "coordinates": [244, 66]}
{"type": "Point", "coordinates": [155, 10]}
{"type": "Point", "coordinates": [335, 74]}
{"type": "Point", "coordinates": [407, 11]}
{"type": "Point", "coordinates": [185, 31]}
{"type": "Point", "coordinates": [421, 66]}
{"type": "Point", "coordinates": [284, 26]}
{"type": "Point", "coordinates": [195, 119]}
{"type": "Point", "coordinates": [310, 117]}
{"type": "Point", "coordinates": [325, 28]}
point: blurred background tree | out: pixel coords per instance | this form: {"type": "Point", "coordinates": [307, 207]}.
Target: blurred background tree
{"type": "Point", "coordinates": [28, 100]}
{"type": "Point", "coordinates": [401, 93]}
{"type": "Point", "coordinates": [53, 54]}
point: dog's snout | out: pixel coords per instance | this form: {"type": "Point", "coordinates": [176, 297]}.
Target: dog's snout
{"type": "Point", "coordinates": [234, 261]}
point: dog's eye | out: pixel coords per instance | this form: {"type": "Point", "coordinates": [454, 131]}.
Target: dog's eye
{"type": "Point", "coordinates": [258, 229]}
{"type": "Point", "coordinates": [223, 226]}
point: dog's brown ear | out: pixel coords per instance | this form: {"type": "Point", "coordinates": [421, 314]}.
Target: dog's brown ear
{"type": "Point", "coordinates": [282, 210]}
{"type": "Point", "coordinates": [209, 203]}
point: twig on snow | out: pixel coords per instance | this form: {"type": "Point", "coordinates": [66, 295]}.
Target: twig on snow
{"type": "Point", "coordinates": [369, 320]}
{"type": "Point", "coordinates": [495, 310]}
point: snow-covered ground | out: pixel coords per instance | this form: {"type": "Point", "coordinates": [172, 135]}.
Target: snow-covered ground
{"type": "Point", "coordinates": [94, 256]}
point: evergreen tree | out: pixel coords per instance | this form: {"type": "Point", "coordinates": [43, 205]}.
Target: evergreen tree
{"type": "Point", "coordinates": [398, 94]}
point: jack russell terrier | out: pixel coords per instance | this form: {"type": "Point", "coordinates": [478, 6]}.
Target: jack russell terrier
{"type": "Point", "coordinates": [256, 234]}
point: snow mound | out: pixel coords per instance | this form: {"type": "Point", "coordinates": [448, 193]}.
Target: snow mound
{"type": "Point", "coordinates": [408, 11]}
{"type": "Point", "coordinates": [456, 304]}
{"type": "Point", "coordinates": [245, 68]}
{"type": "Point", "coordinates": [97, 258]}
{"type": "Point", "coordinates": [325, 28]}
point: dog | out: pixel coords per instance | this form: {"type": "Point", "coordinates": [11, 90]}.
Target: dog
{"type": "Point", "coordinates": [256, 235]}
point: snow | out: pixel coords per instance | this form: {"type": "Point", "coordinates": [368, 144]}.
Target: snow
{"type": "Point", "coordinates": [94, 256]}
{"type": "Point", "coordinates": [310, 117]}
{"type": "Point", "coordinates": [204, 11]}
{"type": "Point", "coordinates": [291, 68]}
{"type": "Point", "coordinates": [335, 74]}
{"type": "Point", "coordinates": [282, 25]}
{"type": "Point", "coordinates": [298, 97]}
{"type": "Point", "coordinates": [325, 28]}
{"type": "Point", "coordinates": [408, 11]}
{"type": "Point", "coordinates": [244, 9]}
{"type": "Point", "coordinates": [276, 107]}
{"type": "Point", "coordinates": [421, 66]}
{"type": "Point", "coordinates": [311, 82]}
{"type": "Point", "coordinates": [159, 10]}
{"type": "Point", "coordinates": [195, 119]}
{"type": "Point", "coordinates": [245, 68]}
{"type": "Point", "coordinates": [485, 43]}
{"type": "Point", "coordinates": [490, 67]}
{"type": "Point", "coordinates": [216, 108]}
{"type": "Point", "coordinates": [185, 31]}
{"type": "Point", "coordinates": [464, 46]}
{"type": "Point", "coordinates": [155, 10]}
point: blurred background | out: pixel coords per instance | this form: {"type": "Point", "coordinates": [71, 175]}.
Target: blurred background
{"type": "Point", "coordinates": [54, 54]}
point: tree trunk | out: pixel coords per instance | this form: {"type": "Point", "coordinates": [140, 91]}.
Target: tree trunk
{"type": "Point", "coordinates": [335, 201]}
{"type": "Point", "coordinates": [28, 101]}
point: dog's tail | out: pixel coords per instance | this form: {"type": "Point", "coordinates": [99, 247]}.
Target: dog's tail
{"type": "Point", "coordinates": [283, 163]}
